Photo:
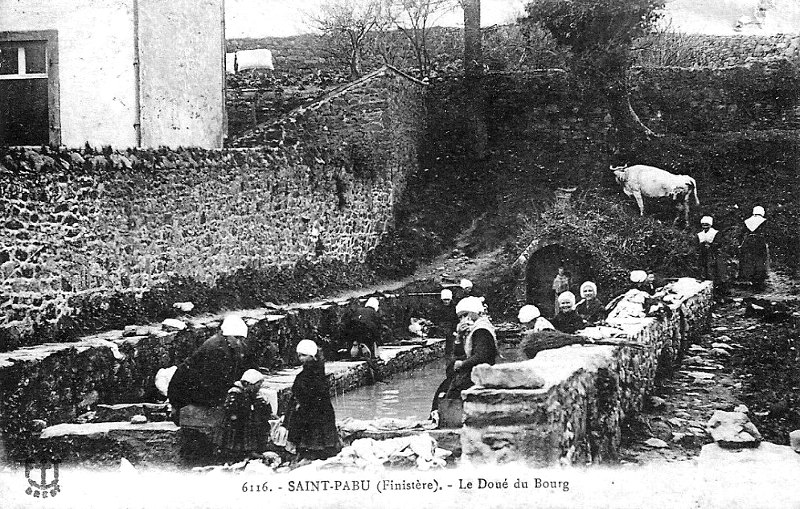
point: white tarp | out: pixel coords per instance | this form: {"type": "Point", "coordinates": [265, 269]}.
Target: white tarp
{"type": "Point", "coordinates": [254, 59]}
{"type": "Point", "coordinates": [230, 62]}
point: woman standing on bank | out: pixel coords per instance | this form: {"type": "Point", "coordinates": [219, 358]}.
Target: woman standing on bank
{"type": "Point", "coordinates": [754, 251]}
{"type": "Point", "coordinates": [709, 257]}
{"type": "Point", "coordinates": [312, 422]}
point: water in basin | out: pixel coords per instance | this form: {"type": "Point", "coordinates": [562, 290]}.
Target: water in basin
{"type": "Point", "coordinates": [406, 395]}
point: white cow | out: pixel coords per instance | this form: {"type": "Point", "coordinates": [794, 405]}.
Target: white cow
{"type": "Point", "coordinates": [640, 181]}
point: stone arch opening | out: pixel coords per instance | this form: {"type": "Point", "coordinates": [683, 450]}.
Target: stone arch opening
{"type": "Point", "coordinates": [542, 268]}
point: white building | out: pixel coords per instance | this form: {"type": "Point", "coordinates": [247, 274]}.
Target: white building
{"type": "Point", "coordinates": [124, 73]}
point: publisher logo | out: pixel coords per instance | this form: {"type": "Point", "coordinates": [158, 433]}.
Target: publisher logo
{"type": "Point", "coordinates": [42, 478]}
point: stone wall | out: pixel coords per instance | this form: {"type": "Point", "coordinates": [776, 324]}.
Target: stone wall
{"type": "Point", "coordinates": [94, 240]}
{"type": "Point", "coordinates": [589, 390]}
{"type": "Point", "coordinates": [703, 50]}
{"type": "Point", "coordinates": [541, 104]}
{"type": "Point", "coordinates": [753, 97]}
{"type": "Point", "coordinates": [304, 53]}
{"type": "Point", "coordinates": [734, 130]}
{"type": "Point", "coordinates": [57, 382]}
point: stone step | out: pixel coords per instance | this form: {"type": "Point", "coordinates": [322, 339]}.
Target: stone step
{"type": "Point", "coordinates": [160, 444]}
{"type": "Point", "coordinates": [154, 412]}
{"type": "Point", "coordinates": [104, 444]}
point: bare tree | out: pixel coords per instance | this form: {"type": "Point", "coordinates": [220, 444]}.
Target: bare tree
{"type": "Point", "coordinates": [414, 19]}
{"type": "Point", "coordinates": [349, 22]}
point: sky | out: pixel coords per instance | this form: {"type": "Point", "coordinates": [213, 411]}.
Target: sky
{"type": "Point", "coordinates": [262, 18]}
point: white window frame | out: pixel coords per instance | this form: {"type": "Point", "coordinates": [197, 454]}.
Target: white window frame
{"type": "Point", "coordinates": [22, 67]}
{"type": "Point", "coordinates": [50, 37]}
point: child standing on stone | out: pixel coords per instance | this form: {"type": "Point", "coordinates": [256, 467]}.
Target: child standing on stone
{"type": "Point", "coordinates": [312, 421]}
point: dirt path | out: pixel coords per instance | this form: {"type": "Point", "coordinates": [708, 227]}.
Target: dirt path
{"type": "Point", "coordinates": [760, 367]}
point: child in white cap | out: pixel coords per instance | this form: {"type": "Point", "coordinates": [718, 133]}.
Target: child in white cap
{"type": "Point", "coordinates": [567, 320]}
{"type": "Point", "coordinates": [311, 419]}
{"type": "Point", "coordinates": [444, 323]}
{"type": "Point", "coordinates": [532, 320]}
{"type": "Point", "coordinates": [245, 425]}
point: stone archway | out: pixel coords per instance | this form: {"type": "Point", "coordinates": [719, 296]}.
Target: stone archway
{"type": "Point", "coordinates": [541, 269]}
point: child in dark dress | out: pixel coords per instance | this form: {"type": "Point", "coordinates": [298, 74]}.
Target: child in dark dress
{"type": "Point", "coordinates": [245, 427]}
{"type": "Point", "coordinates": [312, 422]}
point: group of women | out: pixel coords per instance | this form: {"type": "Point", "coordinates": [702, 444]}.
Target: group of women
{"type": "Point", "coordinates": [753, 252]}
{"type": "Point", "coordinates": [221, 372]}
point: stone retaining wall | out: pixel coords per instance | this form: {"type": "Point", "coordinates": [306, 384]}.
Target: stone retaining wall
{"type": "Point", "coordinates": [93, 240]}
{"type": "Point", "coordinates": [589, 390]}
{"type": "Point", "coordinates": [704, 50]}
{"type": "Point", "coordinates": [158, 444]}
{"type": "Point", "coordinates": [56, 382]}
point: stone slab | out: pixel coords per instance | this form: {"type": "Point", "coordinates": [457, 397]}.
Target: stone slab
{"type": "Point", "coordinates": [733, 430]}
{"type": "Point", "coordinates": [105, 428]}
{"type": "Point", "coordinates": [105, 444]}
{"type": "Point", "coordinates": [198, 417]}
{"type": "Point", "coordinates": [124, 411]}
{"type": "Point", "coordinates": [513, 375]}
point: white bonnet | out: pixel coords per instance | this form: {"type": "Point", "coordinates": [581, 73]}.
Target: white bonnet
{"type": "Point", "coordinates": [233, 325]}
{"type": "Point", "coordinates": [566, 297]}
{"type": "Point", "coordinates": [373, 303]}
{"type": "Point", "coordinates": [588, 285]}
{"type": "Point", "coordinates": [470, 305]}
{"type": "Point", "coordinates": [528, 313]}
{"type": "Point", "coordinates": [307, 347]}
{"type": "Point", "coordinates": [252, 376]}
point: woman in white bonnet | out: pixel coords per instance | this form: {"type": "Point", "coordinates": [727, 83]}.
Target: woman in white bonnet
{"type": "Point", "coordinates": [709, 258]}
{"type": "Point", "coordinates": [754, 251]}
{"type": "Point", "coordinates": [477, 334]}
{"type": "Point", "coordinates": [205, 377]}
{"type": "Point", "coordinates": [589, 307]}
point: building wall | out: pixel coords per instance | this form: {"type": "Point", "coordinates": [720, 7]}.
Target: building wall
{"type": "Point", "coordinates": [95, 59]}
{"type": "Point", "coordinates": [181, 56]}
{"type": "Point", "coordinates": [99, 240]}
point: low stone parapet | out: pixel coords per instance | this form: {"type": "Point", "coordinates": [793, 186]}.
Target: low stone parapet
{"type": "Point", "coordinates": [588, 390]}
{"type": "Point", "coordinates": [159, 443]}
{"type": "Point", "coordinates": [106, 443]}
{"type": "Point", "coordinates": [56, 382]}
